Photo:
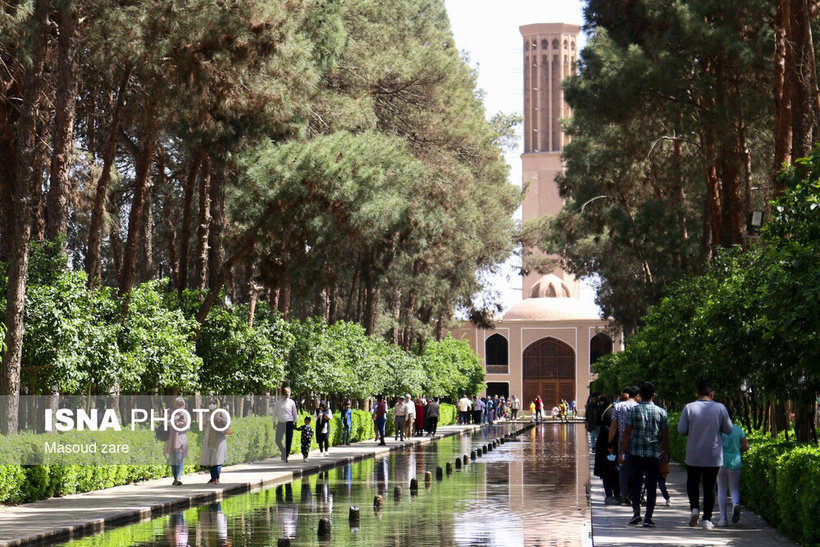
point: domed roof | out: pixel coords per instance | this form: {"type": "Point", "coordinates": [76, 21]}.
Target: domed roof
{"type": "Point", "coordinates": [551, 300]}
{"type": "Point", "coordinates": [550, 286]}
{"type": "Point", "coordinates": [552, 309]}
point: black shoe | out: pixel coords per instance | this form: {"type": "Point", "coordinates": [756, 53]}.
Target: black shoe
{"type": "Point", "coordinates": [636, 519]}
{"type": "Point", "coordinates": [648, 523]}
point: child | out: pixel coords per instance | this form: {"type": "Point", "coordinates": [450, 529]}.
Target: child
{"type": "Point", "coordinates": [307, 436]}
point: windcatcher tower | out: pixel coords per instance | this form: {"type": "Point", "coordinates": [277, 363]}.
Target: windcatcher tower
{"type": "Point", "coordinates": [550, 52]}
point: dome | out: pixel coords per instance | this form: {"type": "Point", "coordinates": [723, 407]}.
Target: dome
{"type": "Point", "coordinates": [552, 309]}
{"type": "Point", "coordinates": [550, 286]}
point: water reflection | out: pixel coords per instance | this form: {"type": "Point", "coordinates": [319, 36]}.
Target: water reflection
{"type": "Point", "coordinates": [529, 492]}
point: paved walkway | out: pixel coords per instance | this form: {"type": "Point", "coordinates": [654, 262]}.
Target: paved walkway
{"type": "Point", "coordinates": [73, 516]}
{"type": "Point", "coordinates": [609, 522]}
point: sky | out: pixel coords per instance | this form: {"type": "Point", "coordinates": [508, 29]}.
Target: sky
{"type": "Point", "coordinates": [487, 30]}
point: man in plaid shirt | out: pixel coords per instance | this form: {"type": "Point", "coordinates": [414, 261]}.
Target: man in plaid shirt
{"type": "Point", "coordinates": [646, 439]}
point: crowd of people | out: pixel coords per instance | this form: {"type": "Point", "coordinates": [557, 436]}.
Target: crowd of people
{"type": "Point", "coordinates": [630, 438]}
{"type": "Point", "coordinates": [487, 410]}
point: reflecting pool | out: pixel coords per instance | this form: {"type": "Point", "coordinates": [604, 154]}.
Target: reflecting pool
{"type": "Point", "coordinates": [528, 492]}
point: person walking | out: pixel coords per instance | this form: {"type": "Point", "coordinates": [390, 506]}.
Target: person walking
{"type": "Point", "coordinates": [380, 417]}
{"type": "Point", "coordinates": [285, 416]}
{"type": "Point", "coordinates": [176, 445]}
{"type": "Point", "coordinates": [606, 462]}
{"type": "Point", "coordinates": [307, 436]}
{"type": "Point", "coordinates": [433, 410]}
{"type": "Point", "coordinates": [347, 422]}
{"type": "Point", "coordinates": [646, 440]}
{"type": "Point", "coordinates": [591, 420]}
{"type": "Point", "coordinates": [617, 427]}
{"type": "Point", "coordinates": [515, 406]}
{"type": "Point", "coordinates": [419, 420]}
{"type": "Point", "coordinates": [702, 422]}
{"type": "Point", "coordinates": [478, 410]}
{"type": "Point", "coordinates": [214, 443]}
{"type": "Point", "coordinates": [539, 409]}
{"type": "Point", "coordinates": [409, 416]}
{"type": "Point", "coordinates": [463, 406]}
{"type": "Point", "coordinates": [399, 412]}
{"type": "Point", "coordinates": [323, 418]}
{"type": "Point", "coordinates": [728, 479]}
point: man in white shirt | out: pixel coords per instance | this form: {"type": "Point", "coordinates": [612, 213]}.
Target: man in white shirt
{"type": "Point", "coordinates": [398, 419]}
{"type": "Point", "coordinates": [515, 406]}
{"type": "Point", "coordinates": [285, 417]}
{"type": "Point", "coordinates": [409, 415]}
{"type": "Point", "coordinates": [464, 405]}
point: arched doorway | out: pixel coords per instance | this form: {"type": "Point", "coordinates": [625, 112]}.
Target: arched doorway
{"type": "Point", "coordinates": [599, 345]}
{"type": "Point", "coordinates": [549, 371]}
{"type": "Point", "coordinates": [496, 350]}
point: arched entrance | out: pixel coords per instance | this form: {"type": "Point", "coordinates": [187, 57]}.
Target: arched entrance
{"type": "Point", "coordinates": [549, 371]}
{"type": "Point", "coordinates": [600, 345]}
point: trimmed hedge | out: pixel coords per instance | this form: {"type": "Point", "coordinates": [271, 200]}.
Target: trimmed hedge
{"type": "Point", "coordinates": [253, 439]}
{"type": "Point", "coordinates": [780, 482]}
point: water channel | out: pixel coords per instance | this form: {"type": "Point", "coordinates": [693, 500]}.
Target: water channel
{"type": "Point", "coordinates": [528, 492]}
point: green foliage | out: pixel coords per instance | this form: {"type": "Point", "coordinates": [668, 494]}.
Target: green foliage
{"type": "Point", "coordinates": [156, 345]}
{"type": "Point", "coordinates": [753, 315]}
{"type": "Point", "coordinates": [452, 369]}
{"type": "Point", "coordinates": [665, 93]}
{"type": "Point", "coordinates": [72, 333]}
{"type": "Point", "coordinates": [781, 482]}
{"type": "Point", "coordinates": [240, 359]}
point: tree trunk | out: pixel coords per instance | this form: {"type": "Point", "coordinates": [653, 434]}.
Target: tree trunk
{"type": "Point", "coordinates": [185, 233]}
{"type": "Point", "coordinates": [371, 307]}
{"type": "Point", "coordinates": [284, 296]}
{"type": "Point", "coordinates": [26, 177]}
{"type": "Point", "coordinates": [141, 185]}
{"type": "Point", "coordinates": [65, 101]}
{"type": "Point", "coordinates": [93, 262]}
{"type": "Point", "coordinates": [246, 247]}
{"type": "Point", "coordinates": [803, 96]}
{"type": "Point", "coordinates": [115, 241]}
{"type": "Point", "coordinates": [170, 231]}
{"type": "Point", "coordinates": [204, 225]}
{"type": "Point", "coordinates": [804, 416]}
{"type": "Point", "coordinates": [783, 67]}
{"type": "Point", "coordinates": [147, 238]}
{"type": "Point", "coordinates": [216, 235]}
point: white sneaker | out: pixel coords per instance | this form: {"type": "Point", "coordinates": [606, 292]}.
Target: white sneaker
{"type": "Point", "coordinates": [707, 524]}
{"type": "Point", "coordinates": [305, 459]}
{"type": "Point", "coordinates": [669, 502]}
{"type": "Point", "coordinates": [693, 517]}
{"type": "Point", "coordinates": [722, 523]}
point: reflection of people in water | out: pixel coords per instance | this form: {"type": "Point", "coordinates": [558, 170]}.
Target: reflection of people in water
{"type": "Point", "coordinates": [176, 532]}
{"type": "Point", "coordinates": [324, 497]}
{"type": "Point", "coordinates": [212, 528]}
{"type": "Point", "coordinates": [381, 474]}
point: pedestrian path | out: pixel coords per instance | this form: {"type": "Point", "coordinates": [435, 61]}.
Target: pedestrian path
{"type": "Point", "coordinates": [73, 516]}
{"type": "Point", "coordinates": [610, 522]}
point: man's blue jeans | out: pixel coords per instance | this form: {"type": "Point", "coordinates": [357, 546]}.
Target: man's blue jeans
{"type": "Point", "coordinates": [640, 466]}
{"type": "Point", "coordinates": [380, 423]}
